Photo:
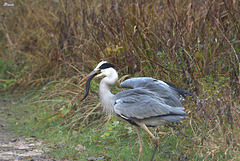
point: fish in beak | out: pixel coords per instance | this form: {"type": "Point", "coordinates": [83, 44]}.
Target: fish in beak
{"type": "Point", "coordinates": [88, 79]}
{"type": "Point", "coordinates": [98, 72]}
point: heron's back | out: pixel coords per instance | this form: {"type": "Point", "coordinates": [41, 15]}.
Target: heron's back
{"type": "Point", "coordinates": [149, 101]}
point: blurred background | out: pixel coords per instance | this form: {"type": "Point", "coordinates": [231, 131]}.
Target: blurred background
{"type": "Point", "coordinates": [46, 47]}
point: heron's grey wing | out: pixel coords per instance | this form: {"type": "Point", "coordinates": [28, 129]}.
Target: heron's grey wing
{"type": "Point", "coordinates": [163, 90]}
{"type": "Point", "coordinates": [140, 104]}
{"type": "Point", "coordinates": [144, 81]}
{"type": "Point", "coordinates": [159, 88]}
{"type": "Point", "coordinates": [136, 82]}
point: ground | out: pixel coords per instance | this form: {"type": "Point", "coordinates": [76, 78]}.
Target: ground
{"type": "Point", "coordinates": [14, 147]}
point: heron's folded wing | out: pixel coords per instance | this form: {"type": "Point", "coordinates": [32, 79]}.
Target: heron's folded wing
{"type": "Point", "coordinates": [157, 88]}
{"type": "Point", "coordinates": [136, 82]}
{"type": "Point", "coordinates": [140, 105]}
{"type": "Point", "coordinates": [151, 83]}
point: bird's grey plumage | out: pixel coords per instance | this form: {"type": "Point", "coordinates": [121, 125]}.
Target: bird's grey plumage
{"type": "Point", "coordinates": [159, 88]}
{"type": "Point", "coordinates": [148, 98]}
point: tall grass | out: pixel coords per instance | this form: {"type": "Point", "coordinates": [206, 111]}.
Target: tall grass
{"type": "Point", "coordinates": [193, 44]}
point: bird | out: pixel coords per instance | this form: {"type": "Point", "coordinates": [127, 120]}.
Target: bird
{"type": "Point", "coordinates": [147, 102]}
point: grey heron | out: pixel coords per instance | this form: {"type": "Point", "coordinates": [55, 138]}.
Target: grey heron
{"type": "Point", "coordinates": [148, 103]}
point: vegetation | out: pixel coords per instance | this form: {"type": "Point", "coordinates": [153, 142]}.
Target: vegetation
{"type": "Point", "coordinates": [46, 47]}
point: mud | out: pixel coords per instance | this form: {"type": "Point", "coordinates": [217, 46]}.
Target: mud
{"type": "Point", "coordinates": [14, 147]}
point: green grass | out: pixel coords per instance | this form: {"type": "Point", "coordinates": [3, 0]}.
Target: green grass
{"type": "Point", "coordinates": [115, 139]}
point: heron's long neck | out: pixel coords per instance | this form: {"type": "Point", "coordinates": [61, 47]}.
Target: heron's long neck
{"type": "Point", "coordinates": [106, 97]}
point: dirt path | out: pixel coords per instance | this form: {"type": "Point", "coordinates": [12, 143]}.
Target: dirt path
{"type": "Point", "coordinates": [14, 147]}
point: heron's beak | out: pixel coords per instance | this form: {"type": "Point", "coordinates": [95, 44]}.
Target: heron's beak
{"type": "Point", "coordinates": [88, 79]}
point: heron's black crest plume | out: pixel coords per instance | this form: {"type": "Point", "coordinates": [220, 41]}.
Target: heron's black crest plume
{"type": "Point", "coordinates": [107, 65]}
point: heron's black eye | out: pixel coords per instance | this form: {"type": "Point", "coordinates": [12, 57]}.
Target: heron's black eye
{"type": "Point", "coordinates": [98, 71]}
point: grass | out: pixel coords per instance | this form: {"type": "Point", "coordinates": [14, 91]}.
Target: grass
{"type": "Point", "coordinates": [115, 139]}
{"type": "Point", "coordinates": [48, 46]}
{"type": "Point", "coordinates": [193, 139]}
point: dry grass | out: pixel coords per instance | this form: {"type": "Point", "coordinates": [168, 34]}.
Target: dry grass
{"type": "Point", "coordinates": [193, 44]}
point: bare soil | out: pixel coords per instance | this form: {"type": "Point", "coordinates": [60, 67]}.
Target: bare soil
{"type": "Point", "coordinates": [13, 146]}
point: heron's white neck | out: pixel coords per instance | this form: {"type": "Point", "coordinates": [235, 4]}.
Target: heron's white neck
{"type": "Point", "coordinates": [106, 97]}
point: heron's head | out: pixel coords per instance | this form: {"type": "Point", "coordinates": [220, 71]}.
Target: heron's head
{"type": "Point", "coordinates": [103, 69]}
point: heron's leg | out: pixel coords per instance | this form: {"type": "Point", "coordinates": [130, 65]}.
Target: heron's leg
{"type": "Point", "coordinates": [140, 143]}
{"type": "Point", "coordinates": [155, 139]}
